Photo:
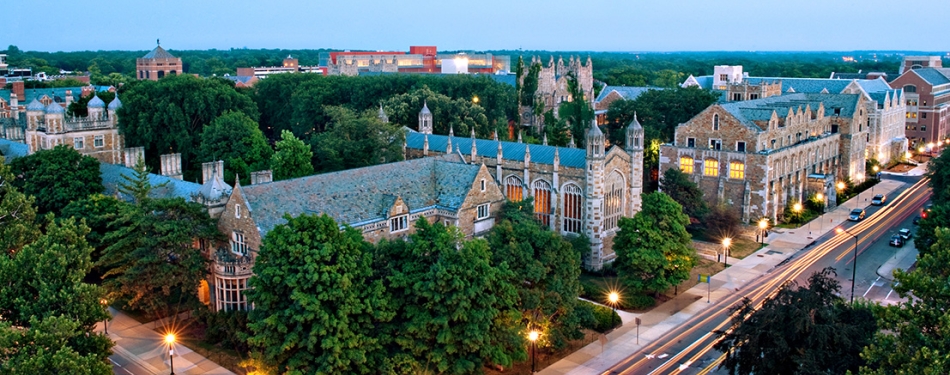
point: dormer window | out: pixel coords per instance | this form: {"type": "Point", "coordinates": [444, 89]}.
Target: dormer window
{"type": "Point", "coordinates": [399, 223]}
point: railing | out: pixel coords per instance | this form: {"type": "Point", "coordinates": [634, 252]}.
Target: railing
{"type": "Point", "coordinates": [227, 263]}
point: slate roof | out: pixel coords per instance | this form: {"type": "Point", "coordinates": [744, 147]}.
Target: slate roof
{"type": "Point", "coordinates": [58, 93]}
{"type": "Point", "coordinates": [750, 111]}
{"type": "Point", "coordinates": [933, 76]}
{"type": "Point", "coordinates": [362, 195]}
{"type": "Point", "coordinates": [570, 157]}
{"type": "Point", "coordinates": [705, 82]}
{"type": "Point", "coordinates": [112, 177]}
{"type": "Point", "coordinates": [806, 85]}
{"type": "Point", "coordinates": [12, 150]}
{"type": "Point", "coordinates": [626, 92]}
{"type": "Point", "coordinates": [158, 53]}
{"type": "Point", "coordinates": [239, 79]}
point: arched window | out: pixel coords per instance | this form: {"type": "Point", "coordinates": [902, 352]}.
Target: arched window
{"type": "Point", "coordinates": [613, 202]}
{"type": "Point", "coordinates": [686, 164]}
{"type": "Point", "coordinates": [910, 88]}
{"type": "Point", "coordinates": [514, 190]}
{"type": "Point", "coordinates": [736, 170]}
{"type": "Point", "coordinates": [161, 74]}
{"type": "Point", "coordinates": [542, 201]}
{"type": "Point", "coordinates": [712, 168]}
{"type": "Point", "coordinates": [571, 212]}
{"type": "Point", "coordinates": [716, 121]}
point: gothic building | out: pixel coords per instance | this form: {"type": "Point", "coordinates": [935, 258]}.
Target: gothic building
{"type": "Point", "coordinates": [575, 191]}
{"type": "Point", "coordinates": [552, 85]}
{"type": "Point", "coordinates": [96, 135]}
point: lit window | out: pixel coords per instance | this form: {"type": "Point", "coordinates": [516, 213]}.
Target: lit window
{"type": "Point", "coordinates": [99, 141]}
{"type": "Point", "coordinates": [572, 209]}
{"type": "Point", "coordinates": [514, 190]}
{"type": "Point", "coordinates": [542, 201]}
{"type": "Point", "coordinates": [78, 143]}
{"type": "Point", "coordinates": [230, 294]}
{"type": "Point", "coordinates": [483, 211]}
{"type": "Point", "coordinates": [712, 168]}
{"type": "Point", "coordinates": [398, 223]}
{"type": "Point", "coordinates": [736, 170]}
{"type": "Point", "coordinates": [238, 245]}
{"type": "Point", "coordinates": [686, 164]}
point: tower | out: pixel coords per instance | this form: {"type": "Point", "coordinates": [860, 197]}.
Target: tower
{"type": "Point", "coordinates": [594, 191]}
{"type": "Point", "coordinates": [95, 107]}
{"type": "Point", "coordinates": [425, 119]}
{"type": "Point", "coordinates": [635, 150]}
{"type": "Point", "coordinates": [382, 115]}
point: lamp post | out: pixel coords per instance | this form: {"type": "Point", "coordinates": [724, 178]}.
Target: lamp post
{"type": "Point", "coordinates": [105, 322]}
{"type": "Point", "coordinates": [725, 250]}
{"type": "Point", "coordinates": [841, 187]}
{"type": "Point", "coordinates": [854, 267]}
{"type": "Point", "coordinates": [821, 222]}
{"type": "Point", "coordinates": [533, 337]}
{"type": "Point", "coordinates": [763, 224]}
{"type": "Point", "coordinates": [613, 297]}
{"type": "Point", "coordinates": [170, 340]}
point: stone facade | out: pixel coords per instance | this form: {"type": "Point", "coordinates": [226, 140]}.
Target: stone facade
{"type": "Point", "coordinates": [552, 81]}
{"type": "Point", "coordinates": [96, 135]}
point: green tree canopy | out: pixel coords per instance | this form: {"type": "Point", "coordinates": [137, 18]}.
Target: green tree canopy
{"type": "Point", "coordinates": [938, 170]}
{"type": "Point", "coordinates": [577, 112]}
{"type": "Point", "coordinates": [315, 308]}
{"type": "Point", "coordinates": [292, 159]}
{"type": "Point", "coordinates": [801, 330]}
{"type": "Point", "coordinates": [455, 313]}
{"type": "Point", "coordinates": [235, 138]}
{"type": "Point", "coordinates": [17, 213]}
{"type": "Point", "coordinates": [653, 248]}
{"type": "Point", "coordinates": [98, 212]}
{"type": "Point", "coordinates": [460, 114]}
{"type": "Point", "coordinates": [56, 177]}
{"type": "Point", "coordinates": [356, 140]}
{"type": "Point", "coordinates": [678, 186]}
{"type": "Point", "coordinates": [660, 111]}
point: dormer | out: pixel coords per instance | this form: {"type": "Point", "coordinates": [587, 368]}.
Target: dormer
{"type": "Point", "coordinates": [821, 111]}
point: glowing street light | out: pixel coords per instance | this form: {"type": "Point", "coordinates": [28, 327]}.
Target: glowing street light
{"type": "Point", "coordinates": [613, 297]}
{"type": "Point", "coordinates": [475, 99]}
{"type": "Point", "coordinates": [533, 337]}
{"type": "Point", "coordinates": [105, 323]}
{"type": "Point", "coordinates": [763, 225]}
{"type": "Point", "coordinates": [908, 155]}
{"type": "Point", "coordinates": [841, 185]}
{"type": "Point", "coordinates": [726, 242]}
{"type": "Point", "coordinates": [797, 207]}
{"type": "Point", "coordinates": [170, 340]}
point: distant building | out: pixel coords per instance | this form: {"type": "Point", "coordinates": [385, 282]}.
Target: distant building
{"type": "Point", "coordinates": [918, 62]}
{"type": "Point", "coordinates": [420, 59]}
{"type": "Point", "coordinates": [157, 64]}
{"type": "Point", "coordinates": [610, 94]}
{"type": "Point", "coordinates": [289, 65]}
{"type": "Point", "coordinates": [3, 65]}
{"type": "Point", "coordinates": [96, 135]}
{"type": "Point", "coordinates": [926, 86]}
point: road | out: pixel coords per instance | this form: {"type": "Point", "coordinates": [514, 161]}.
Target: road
{"type": "Point", "coordinates": [688, 348]}
{"type": "Point", "coordinates": [122, 366]}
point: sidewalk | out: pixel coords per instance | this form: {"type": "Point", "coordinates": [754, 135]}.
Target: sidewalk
{"type": "Point", "coordinates": [902, 259]}
{"type": "Point", "coordinates": [782, 243]}
{"type": "Point", "coordinates": [140, 344]}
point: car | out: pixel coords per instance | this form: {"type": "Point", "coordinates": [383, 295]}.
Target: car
{"type": "Point", "coordinates": [896, 241]}
{"type": "Point", "coordinates": [879, 200]}
{"type": "Point", "coordinates": [857, 214]}
{"type": "Point", "coordinates": [904, 233]}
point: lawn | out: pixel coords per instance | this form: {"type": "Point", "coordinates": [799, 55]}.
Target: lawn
{"type": "Point", "coordinates": [743, 247]}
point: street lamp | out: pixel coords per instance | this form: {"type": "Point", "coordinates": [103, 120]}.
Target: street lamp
{"type": "Point", "coordinates": [854, 267]}
{"type": "Point", "coordinates": [533, 337]}
{"type": "Point", "coordinates": [613, 297]}
{"type": "Point", "coordinates": [105, 322]}
{"type": "Point", "coordinates": [475, 99]}
{"type": "Point", "coordinates": [170, 340]}
{"type": "Point", "coordinates": [725, 245]}
{"type": "Point", "coordinates": [763, 224]}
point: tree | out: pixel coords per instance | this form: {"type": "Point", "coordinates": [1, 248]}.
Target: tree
{"type": "Point", "coordinates": [660, 110]}
{"type": "Point", "coordinates": [915, 333]}
{"type": "Point", "coordinates": [315, 307]}
{"type": "Point", "coordinates": [354, 141]}
{"type": "Point", "coordinates": [97, 212]}
{"type": "Point", "coordinates": [235, 138]}
{"type": "Point", "coordinates": [56, 177]}
{"type": "Point", "coordinates": [722, 221]}
{"type": "Point", "coordinates": [151, 262]}
{"type": "Point", "coordinates": [577, 112]}
{"type": "Point", "coordinates": [292, 159]}
{"type": "Point", "coordinates": [45, 348]}
{"type": "Point", "coordinates": [938, 170]}
{"type": "Point", "coordinates": [677, 185]}
{"type": "Point", "coordinates": [545, 271]}
{"type": "Point", "coordinates": [653, 248]}
{"type": "Point", "coordinates": [801, 330]}
{"type": "Point", "coordinates": [454, 311]}
{"type": "Point", "coordinates": [17, 214]}
{"type": "Point", "coordinates": [460, 115]}
{"type": "Point", "coordinates": [937, 217]}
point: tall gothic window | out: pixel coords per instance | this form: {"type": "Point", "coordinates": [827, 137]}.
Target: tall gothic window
{"type": "Point", "coordinates": [542, 201]}
{"type": "Point", "coordinates": [230, 294]}
{"type": "Point", "coordinates": [572, 206]}
{"type": "Point", "coordinates": [514, 190]}
{"type": "Point", "coordinates": [613, 202]}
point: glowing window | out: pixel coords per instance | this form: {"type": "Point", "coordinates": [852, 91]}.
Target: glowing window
{"type": "Point", "coordinates": [712, 168]}
{"type": "Point", "coordinates": [686, 164]}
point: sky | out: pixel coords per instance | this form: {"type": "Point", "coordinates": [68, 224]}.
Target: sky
{"type": "Point", "coordinates": [556, 25]}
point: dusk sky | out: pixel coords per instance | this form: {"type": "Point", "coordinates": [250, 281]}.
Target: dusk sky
{"type": "Point", "coordinates": [580, 25]}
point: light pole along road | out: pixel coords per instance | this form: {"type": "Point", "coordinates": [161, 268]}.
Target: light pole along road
{"type": "Point", "coordinates": [693, 340]}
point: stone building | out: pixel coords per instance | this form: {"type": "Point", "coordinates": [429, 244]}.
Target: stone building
{"type": "Point", "coordinates": [157, 64]}
{"type": "Point", "coordinates": [96, 135]}
{"type": "Point", "coordinates": [762, 155]}
{"type": "Point", "coordinates": [926, 87]}
{"type": "Point", "coordinates": [575, 191]}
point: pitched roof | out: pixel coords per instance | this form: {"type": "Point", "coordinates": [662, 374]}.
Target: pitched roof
{"type": "Point", "coordinates": [569, 157]}
{"type": "Point", "coordinates": [750, 111]}
{"type": "Point", "coordinates": [628, 93]}
{"type": "Point", "coordinates": [174, 188]}
{"type": "Point", "coordinates": [59, 93]}
{"type": "Point", "coordinates": [933, 76]}
{"type": "Point", "coordinates": [158, 53]}
{"type": "Point", "coordinates": [806, 85]}
{"type": "Point", "coordinates": [363, 195]}
{"type": "Point", "coordinates": [12, 150]}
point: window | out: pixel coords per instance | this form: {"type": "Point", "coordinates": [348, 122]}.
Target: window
{"type": "Point", "coordinates": [230, 294]}
{"type": "Point", "coordinates": [238, 245]}
{"type": "Point", "coordinates": [237, 211]}
{"type": "Point", "coordinates": [613, 201]}
{"type": "Point", "coordinates": [572, 209]}
{"type": "Point", "coordinates": [716, 121]}
{"type": "Point", "coordinates": [483, 211]}
{"type": "Point", "coordinates": [736, 170]}
{"type": "Point", "coordinates": [691, 142]}
{"type": "Point", "coordinates": [542, 201]}
{"type": "Point", "coordinates": [912, 102]}
{"type": "Point", "coordinates": [740, 146]}
{"type": "Point", "coordinates": [686, 165]}
{"type": "Point", "coordinates": [753, 96]}
{"type": "Point", "coordinates": [923, 114]}
{"type": "Point", "coordinates": [78, 143]}
{"type": "Point", "coordinates": [483, 184]}
{"type": "Point", "coordinates": [514, 191]}
{"type": "Point", "coordinates": [723, 77]}
{"type": "Point", "coordinates": [911, 114]}
{"type": "Point", "coordinates": [715, 144]}
{"type": "Point", "coordinates": [923, 128]}
{"type": "Point", "coordinates": [736, 97]}
{"type": "Point", "coordinates": [712, 168]}
{"type": "Point", "coordinates": [99, 141]}
{"type": "Point", "coordinates": [398, 223]}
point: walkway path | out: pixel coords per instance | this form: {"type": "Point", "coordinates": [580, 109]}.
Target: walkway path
{"type": "Point", "coordinates": [782, 243]}
{"type": "Point", "coordinates": [140, 344]}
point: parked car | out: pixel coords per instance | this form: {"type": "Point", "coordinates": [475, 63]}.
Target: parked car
{"type": "Point", "coordinates": [857, 214]}
{"type": "Point", "coordinates": [904, 233]}
{"type": "Point", "coordinates": [896, 241]}
{"type": "Point", "coordinates": [879, 200]}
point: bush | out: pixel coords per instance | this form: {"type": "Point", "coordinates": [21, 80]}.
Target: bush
{"type": "Point", "coordinates": [227, 329]}
{"type": "Point", "coordinates": [640, 302]}
{"type": "Point", "coordinates": [722, 221]}
{"type": "Point", "coordinates": [604, 318]}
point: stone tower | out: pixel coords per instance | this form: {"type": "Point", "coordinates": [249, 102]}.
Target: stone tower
{"type": "Point", "coordinates": [425, 119]}
{"type": "Point", "coordinates": [382, 115]}
{"type": "Point", "coordinates": [594, 191]}
{"type": "Point", "coordinates": [635, 150]}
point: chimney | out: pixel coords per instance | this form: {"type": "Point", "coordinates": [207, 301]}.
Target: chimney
{"type": "Point", "coordinates": [132, 155]}
{"type": "Point", "coordinates": [86, 91]}
{"type": "Point", "coordinates": [18, 89]}
{"type": "Point", "coordinates": [69, 97]}
{"type": "Point", "coordinates": [262, 177]}
{"type": "Point", "coordinates": [211, 169]}
{"type": "Point", "coordinates": [14, 103]}
{"type": "Point", "coordinates": [171, 166]}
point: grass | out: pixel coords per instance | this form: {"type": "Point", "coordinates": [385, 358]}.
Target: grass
{"type": "Point", "coordinates": [743, 247]}
{"type": "Point", "coordinates": [704, 267]}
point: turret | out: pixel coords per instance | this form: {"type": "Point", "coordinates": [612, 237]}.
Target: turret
{"type": "Point", "coordinates": [95, 107]}
{"type": "Point", "coordinates": [634, 135]}
{"type": "Point", "coordinates": [55, 115]}
{"type": "Point", "coordinates": [382, 115]}
{"type": "Point", "coordinates": [425, 119]}
{"type": "Point", "coordinates": [114, 106]}
{"type": "Point", "coordinates": [595, 141]}
{"type": "Point", "coordinates": [34, 114]}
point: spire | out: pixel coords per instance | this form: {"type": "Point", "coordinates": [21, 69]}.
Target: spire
{"type": "Point", "coordinates": [382, 114]}
{"type": "Point", "coordinates": [451, 131]}
{"type": "Point", "coordinates": [474, 148]}
{"type": "Point", "coordinates": [473, 133]}
{"type": "Point", "coordinates": [500, 153]}
{"type": "Point", "coordinates": [495, 135]}
{"type": "Point", "coordinates": [571, 144]}
{"type": "Point", "coordinates": [545, 139]}
{"type": "Point", "coordinates": [519, 136]}
{"type": "Point", "coordinates": [425, 145]}
{"type": "Point", "coordinates": [448, 147]}
{"type": "Point", "coordinates": [557, 159]}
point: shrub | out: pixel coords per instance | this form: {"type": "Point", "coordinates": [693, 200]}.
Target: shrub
{"type": "Point", "coordinates": [640, 302]}
{"type": "Point", "coordinates": [228, 329]}
{"type": "Point", "coordinates": [722, 221]}
{"type": "Point", "coordinates": [605, 318]}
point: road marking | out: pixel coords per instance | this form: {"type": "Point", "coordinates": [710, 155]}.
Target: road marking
{"type": "Point", "coordinates": [872, 285]}
{"type": "Point", "coordinates": [664, 355]}
{"type": "Point", "coordinates": [888, 294]}
{"type": "Point", "coordinates": [650, 356]}
{"type": "Point", "coordinates": [685, 365]}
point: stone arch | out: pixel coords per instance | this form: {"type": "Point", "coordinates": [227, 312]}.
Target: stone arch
{"type": "Point", "coordinates": [514, 188]}
{"type": "Point", "coordinates": [572, 208]}
{"type": "Point", "coordinates": [541, 190]}
{"type": "Point", "coordinates": [613, 199]}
